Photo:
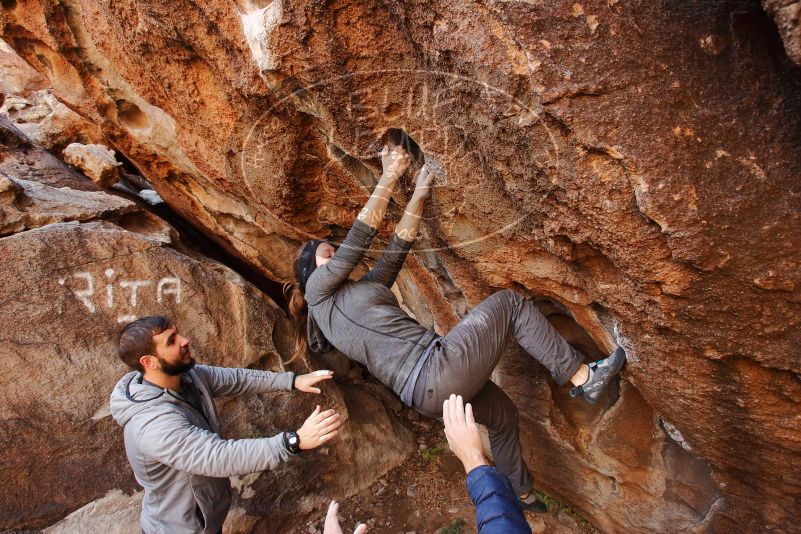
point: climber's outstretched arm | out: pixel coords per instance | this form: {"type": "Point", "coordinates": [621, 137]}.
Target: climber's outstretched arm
{"type": "Point", "coordinates": [410, 222]}
{"type": "Point", "coordinates": [327, 278]}
{"type": "Point", "coordinates": [389, 265]}
{"type": "Point", "coordinates": [394, 163]}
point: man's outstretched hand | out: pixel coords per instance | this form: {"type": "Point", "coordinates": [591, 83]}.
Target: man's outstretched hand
{"type": "Point", "coordinates": [306, 382]}
{"type": "Point", "coordinates": [332, 521]}
{"type": "Point", "coordinates": [319, 428]}
{"type": "Point", "coordinates": [462, 434]}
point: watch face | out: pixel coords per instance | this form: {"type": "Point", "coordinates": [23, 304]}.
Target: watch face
{"type": "Point", "coordinates": [293, 440]}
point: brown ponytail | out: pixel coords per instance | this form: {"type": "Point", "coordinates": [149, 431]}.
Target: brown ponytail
{"type": "Point", "coordinates": [296, 304]}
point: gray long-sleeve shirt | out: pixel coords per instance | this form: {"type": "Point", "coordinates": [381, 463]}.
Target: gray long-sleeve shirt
{"type": "Point", "coordinates": [176, 449]}
{"type": "Point", "coordinates": [362, 318]}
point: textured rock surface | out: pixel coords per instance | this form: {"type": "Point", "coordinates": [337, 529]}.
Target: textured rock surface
{"type": "Point", "coordinates": [115, 513]}
{"type": "Point", "coordinates": [18, 77]}
{"type": "Point", "coordinates": [25, 205]}
{"type": "Point", "coordinates": [28, 103]}
{"type": "Point", "coordinates": [787, 15]}
{"type": "Point", "coordinates": [21, 159]}
{"type": "Point", "coordinates": [48, 122]}
{"type": "Point", "coordinates": [95, 161]}
{"type": "Point", "coordinates": [636, 163]}
{"type": "Point", "coordinates": [77, 264]}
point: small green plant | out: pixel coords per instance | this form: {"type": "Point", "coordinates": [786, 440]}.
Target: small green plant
{"type": "Point", "coordinates": [549, 501]}
{"type": "Point", "coordinates": [455, 527]}
{"type": "Point", "coordinates": [431, 455]}
{"type": "Point", "coordinates": [555, 504]}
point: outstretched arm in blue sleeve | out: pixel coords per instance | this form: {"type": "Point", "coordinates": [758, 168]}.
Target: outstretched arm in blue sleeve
{"type": "Point", "coordinates": [497, 508]}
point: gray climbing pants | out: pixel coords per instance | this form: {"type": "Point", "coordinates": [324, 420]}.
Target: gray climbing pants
{"type": "Point", "coordinates": [462, 361]}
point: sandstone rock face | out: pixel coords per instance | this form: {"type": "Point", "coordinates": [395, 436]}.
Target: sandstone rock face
{"type": "Point", "coordinates": [77, 265]}
{"type": "Point", "coordinates": [25, 205]}
{"type": "Point", "coordinates": [115, 513]}
{"type": "Point", "coordinates": [28, 103]}
{"type": "Point", "coordinates": [19, 78]}
{"type": "Point", "coordinates": [48, 122]}
{"type": "Point", "coordinates": [634, 163]}
{"type": "Point", "coordinates": [787, 15]}
{"type": "Point", "coordinates": [21, 159]}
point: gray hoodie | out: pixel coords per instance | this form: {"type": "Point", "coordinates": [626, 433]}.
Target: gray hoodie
{"type": "Point", "coordinates": [178, 454]}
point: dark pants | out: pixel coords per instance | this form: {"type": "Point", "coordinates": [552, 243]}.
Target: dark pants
{"type": "Point", "coordinates": [463, 360]}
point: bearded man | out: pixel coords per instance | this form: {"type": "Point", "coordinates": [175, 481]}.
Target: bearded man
{"type": "Point", "coordinates": [172, 431]}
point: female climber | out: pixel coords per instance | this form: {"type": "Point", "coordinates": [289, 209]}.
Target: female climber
{"type": "Point", "coordinates": [362, 319]}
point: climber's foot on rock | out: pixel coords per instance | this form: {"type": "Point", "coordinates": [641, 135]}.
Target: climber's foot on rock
{"type": "Point", "coordinates": [532, 504]}
{"type": "Point", "coordinates": [601, 373]}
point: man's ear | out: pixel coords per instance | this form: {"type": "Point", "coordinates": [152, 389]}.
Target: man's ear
{"type": "Point", "coordinates": [149, 362]}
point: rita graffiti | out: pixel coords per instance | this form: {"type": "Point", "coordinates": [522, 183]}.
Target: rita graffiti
{"type": "Point", "coordinates": [114, 293]}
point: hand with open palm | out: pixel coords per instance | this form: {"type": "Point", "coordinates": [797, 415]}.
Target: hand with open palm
{"type": "Point", "coordinates": [332, 521]}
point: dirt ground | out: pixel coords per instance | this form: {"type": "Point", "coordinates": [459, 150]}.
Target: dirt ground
{"type": "Point", "coordinates": [427, 494]}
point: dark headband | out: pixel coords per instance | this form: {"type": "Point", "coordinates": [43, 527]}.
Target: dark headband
{"type": "Point", "coordinates": [307, 262]}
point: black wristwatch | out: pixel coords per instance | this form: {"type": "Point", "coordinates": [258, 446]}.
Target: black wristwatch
{"type": "Point", "coordinates": [292, 442]}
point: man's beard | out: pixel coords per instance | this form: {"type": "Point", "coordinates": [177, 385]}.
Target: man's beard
{"type": "Point", "coordinates": [175, 369]}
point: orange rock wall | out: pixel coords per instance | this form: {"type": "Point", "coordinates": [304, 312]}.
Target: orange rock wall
{"type": "Point", "coordinates": [634, 163]}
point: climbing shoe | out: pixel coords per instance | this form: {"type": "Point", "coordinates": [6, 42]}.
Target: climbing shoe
{"type": "Point", "coordinates": [601, 373]}
{"type": "Point", "coordinates": [533, 504]}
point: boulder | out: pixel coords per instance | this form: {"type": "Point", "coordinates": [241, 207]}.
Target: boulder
{"type": "Point", "coordinates": [95, 161]}
{"type": "Point", "coordinates": [114, 513]}
{"type": "Point", "coordinates": [85, 263]}
{"type": "Point", "coordinates": [25, 205]}
{"type": "Point", "coordinates": [636, 164]}
{"type": "Point", "coordinates": [22, 159]}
